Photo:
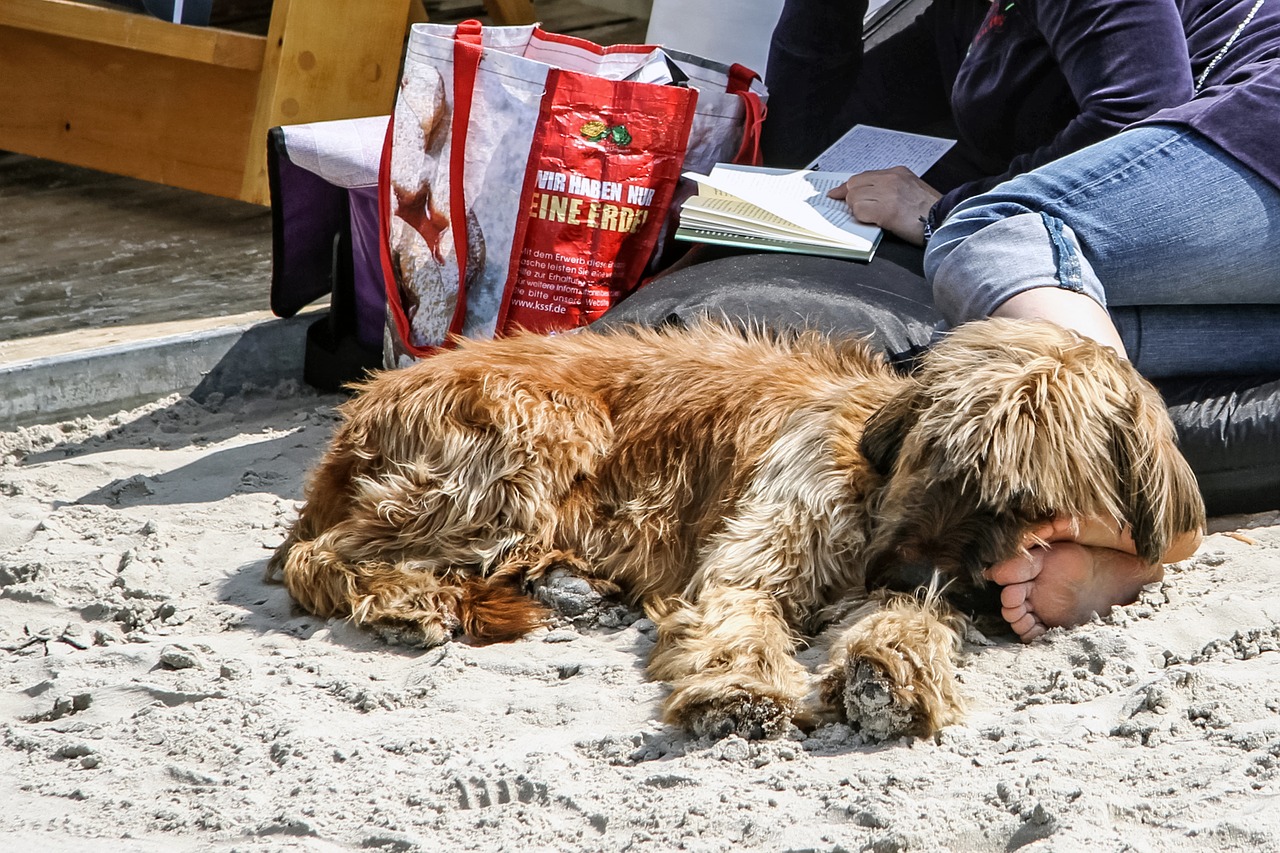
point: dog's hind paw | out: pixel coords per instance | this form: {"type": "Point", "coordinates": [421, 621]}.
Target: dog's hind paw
{"type": "Point", "coordinates": [871, 703]}
{"type": "Point", "coordinates": [409, 634]}
{"type": "Point", "coordinates": [748, 715]}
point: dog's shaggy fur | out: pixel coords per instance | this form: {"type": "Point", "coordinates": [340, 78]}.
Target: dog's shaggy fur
{"type": "Point", "coordinates": [754, 492]}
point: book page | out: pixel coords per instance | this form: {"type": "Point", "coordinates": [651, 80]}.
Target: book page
{"type": "Point", "coordinates": [738, 217]}
{"type": "Point", "coordinates": [796, 196]}
{"type": "Point", "coordinates": [790, 245]}
{"type": "Point", "coordinates": [720, 211]}
{"type": "Point", "coordinates": [864, 148]}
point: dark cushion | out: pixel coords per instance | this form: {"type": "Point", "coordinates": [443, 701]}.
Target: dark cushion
{"type": "Point", "coordinates": [1229, 427]}
{"type": "Point", "coordinates": [886, 301]}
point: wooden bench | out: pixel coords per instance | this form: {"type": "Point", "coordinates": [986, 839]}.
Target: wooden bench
{"type": "Point", "coordinates": [190, 106]}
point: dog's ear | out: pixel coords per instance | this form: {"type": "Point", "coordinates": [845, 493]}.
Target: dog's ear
{"type": "Point", "coordinates": [1155, 484]}
{"type": "Point", "coordinates": [885, 431]}
{"type": "Point", "coordinates": [1031, 419]}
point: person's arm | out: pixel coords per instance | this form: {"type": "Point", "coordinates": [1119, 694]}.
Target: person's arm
{"type": "Point", "coordinates": [1123, 60]}
{"type": "Point", "coordinates": [816, 50]}
{"type": "Point", "coordinates": [821, 82]}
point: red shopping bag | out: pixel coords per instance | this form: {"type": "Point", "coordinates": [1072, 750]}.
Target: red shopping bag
{"type": "Point", "coordinates": [525, 184]}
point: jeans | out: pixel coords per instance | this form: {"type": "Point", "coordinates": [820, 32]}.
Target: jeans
{"type": "Point", "coordinates": [1178, 240]}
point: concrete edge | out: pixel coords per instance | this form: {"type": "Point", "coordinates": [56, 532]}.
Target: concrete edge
{"type": "Point", "coordinates": [106, 379]}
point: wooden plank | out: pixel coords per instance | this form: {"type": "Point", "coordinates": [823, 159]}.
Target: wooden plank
{"type": "Point", "coordinates": [510, 12]}
{"type": "Point", "coordinates": [569, 17]}
{"type": "Point", "coordinates": [119, 28]}
{"type": "Point", "coordinates": [325, 59]}
{"type": "Point", "coordinates": [146, 115]}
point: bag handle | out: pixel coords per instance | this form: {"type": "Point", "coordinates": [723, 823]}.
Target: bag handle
{"type": "Point", "coordinates": [466, 66]}
{"type": "Point", "coordinates": [398, 316]}
{"type": "Point", "coordinates": [740, 79]}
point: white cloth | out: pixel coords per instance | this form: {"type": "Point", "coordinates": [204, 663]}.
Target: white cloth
{"type": "Point", "coordinates": [346, 152]}
{"type": "Point", "coordinates": [727, 32]}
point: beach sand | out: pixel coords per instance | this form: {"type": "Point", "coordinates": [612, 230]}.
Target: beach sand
{"type": "Point", "coordinates": [160, 695]}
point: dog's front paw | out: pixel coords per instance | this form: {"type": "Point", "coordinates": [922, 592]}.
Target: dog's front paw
{"type": "Point", "coordinates": [891, 671]}
{"type": "Point", "coordinates": [748, 716]}
{"type": "Point", "coordinates": [873, 704]}
{"type": "Point", "coordinates": [746, 713]}
{"type": "Point", "coordinates": [886, 694]}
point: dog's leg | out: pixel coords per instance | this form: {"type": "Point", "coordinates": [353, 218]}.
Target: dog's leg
{"type": "Point", "coordinates": [891, 669]}
{"type": "Point", "coordinates": [729, 658]}
{"type": "Point", "coordinates": [727, 645]}
{"type": "Point", "coordinates": [396, 562]}
{"type": "Point", "coordinates": [409, 602]}
{"type": "Point", "coordinates": [403, 603]}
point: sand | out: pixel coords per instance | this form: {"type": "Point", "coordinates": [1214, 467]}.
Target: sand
{"type": "Point", "coordinates": [159, 694]}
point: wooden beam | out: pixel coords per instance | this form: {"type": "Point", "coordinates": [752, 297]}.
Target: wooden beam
{"type": "Point", "coordinates": [119, 28]}
{"type": "Point", "coordinates": [188, 106]}
{"type": "Point", "coordinates": [325, 59]}
{"type": "Point", "coordinates": [130, 112]}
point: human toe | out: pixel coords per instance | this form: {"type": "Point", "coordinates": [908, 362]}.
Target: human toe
{"type": "Point", "coordinates": [1021, 568]}
{"type": "Point", "coordinates": [1018, 618]}
{"type": "Point", "coordinates": [1035, 631]}
{"type": "Point", "coordinates": [1014, 595]}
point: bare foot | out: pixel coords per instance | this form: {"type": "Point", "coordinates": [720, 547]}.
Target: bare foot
{"type": "Point", "coordinates": [1065, 583]}
{"type": "Point", "coordinates": [1075, 567]}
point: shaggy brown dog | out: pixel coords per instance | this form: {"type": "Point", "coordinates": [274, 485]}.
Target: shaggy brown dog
{"type": "Point", "coordinates": [753, 492]}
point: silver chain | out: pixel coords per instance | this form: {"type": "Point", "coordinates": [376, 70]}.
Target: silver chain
{"type": "Point", "coordinates": [1218, 58]}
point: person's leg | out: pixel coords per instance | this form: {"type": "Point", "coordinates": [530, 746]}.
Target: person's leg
{"type": "Point", "coordinates": [1044, 244]}
{"type": "Point", "coordinates": [1068, 308]}
{"type": "Point", "coordinates": [1155, 216]}
{"type": "Point", "coordinates": [987, 256]}
{"type": "Point", "coordinates": [1167, 341]}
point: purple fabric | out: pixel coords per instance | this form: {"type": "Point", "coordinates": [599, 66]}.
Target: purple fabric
{"type": "Point", "coordinates": [307, 213]}
{"type": "Point", "coordinates": [1022, 82]}
{"type": "Point", "coordinates": [1242, 116]}
{"type": "Point", "coordinates": [371, 297]}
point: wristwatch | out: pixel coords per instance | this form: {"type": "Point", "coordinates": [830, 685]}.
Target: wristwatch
{"type": "Point", "coordinates": [930, 222]}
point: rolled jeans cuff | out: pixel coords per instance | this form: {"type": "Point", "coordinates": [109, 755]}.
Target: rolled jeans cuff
{"type": "Point", "coordinates": [980, 272]}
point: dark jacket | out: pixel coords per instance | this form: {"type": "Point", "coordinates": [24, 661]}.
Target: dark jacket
{"type": "Point", "coordinates": [1022, 82]}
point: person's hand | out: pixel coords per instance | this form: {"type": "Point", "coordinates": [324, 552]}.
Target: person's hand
{"type": "Point", "coordinates": [894, 199]}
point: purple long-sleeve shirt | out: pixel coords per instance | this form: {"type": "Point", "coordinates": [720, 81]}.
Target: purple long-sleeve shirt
{"type": "Point", "coordinates": [1022, 82]}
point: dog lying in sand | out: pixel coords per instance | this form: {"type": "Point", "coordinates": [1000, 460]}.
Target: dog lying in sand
{"type": "Point", "coordinates": [756, 493]}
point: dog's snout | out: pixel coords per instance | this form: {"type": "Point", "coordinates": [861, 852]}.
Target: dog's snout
{"type": "Point", "coordinates": [903, 572]}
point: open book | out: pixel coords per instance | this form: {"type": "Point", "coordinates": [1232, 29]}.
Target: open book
{"type": "Point", "coordinates": [788, 210]}
{"type": "Point", "coordinates": [780, 209]}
